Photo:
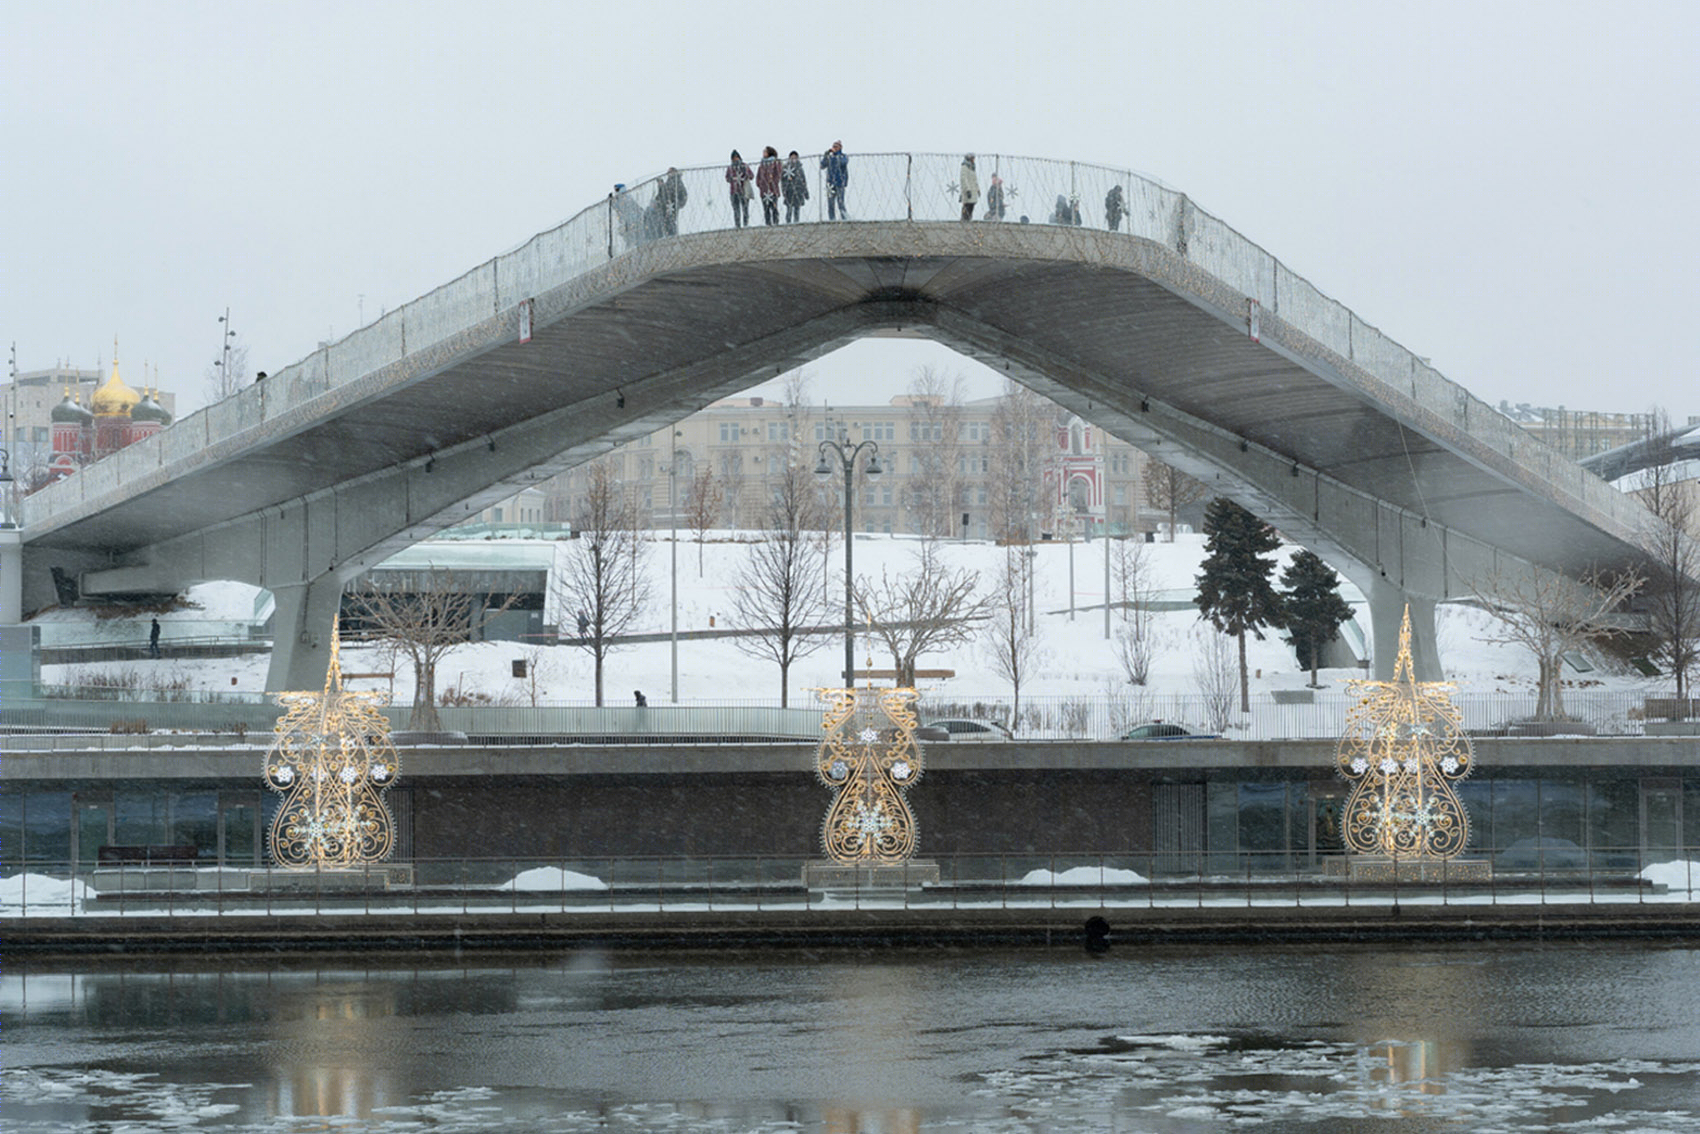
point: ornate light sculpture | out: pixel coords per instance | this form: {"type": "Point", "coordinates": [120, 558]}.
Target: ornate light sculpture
{"type": "Point", "coordinates": [1404, 747]}
{"type": "Point", "coordinates": [332, 758]}
{"type": "Point", "coordinates": [869, 756]}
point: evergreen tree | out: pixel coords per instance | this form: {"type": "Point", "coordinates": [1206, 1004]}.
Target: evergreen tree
{"type": "Point", "coordinates": [1235, 592]}
{"type": "Point", "coordinates": [1313, 609]}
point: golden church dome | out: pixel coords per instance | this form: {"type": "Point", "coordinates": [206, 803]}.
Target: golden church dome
{"type": "Point", "coordinates": [114, 397]}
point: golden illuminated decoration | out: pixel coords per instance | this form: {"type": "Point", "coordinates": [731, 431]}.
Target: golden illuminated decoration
{"type": "Point", "coordinates": [1404, 747]}
{"type": "Point", "coordinates": [869, 756]}
{"type": "Point", "coordinates": [332, 758]}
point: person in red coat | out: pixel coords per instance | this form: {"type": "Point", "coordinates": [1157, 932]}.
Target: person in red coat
{"type": "Point", "coordinates": [767, 185]}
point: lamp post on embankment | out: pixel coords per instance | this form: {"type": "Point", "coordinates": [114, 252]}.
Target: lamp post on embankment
{"type": "Point", "coordinates": [847, 457]}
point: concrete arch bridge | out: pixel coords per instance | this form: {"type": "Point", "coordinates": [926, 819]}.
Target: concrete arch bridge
{"type": "Point", "coordinates": [1166, 327]}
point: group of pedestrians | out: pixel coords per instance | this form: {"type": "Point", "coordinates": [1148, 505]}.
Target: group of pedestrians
{"type": "Point", "coordinates": [775, 181]}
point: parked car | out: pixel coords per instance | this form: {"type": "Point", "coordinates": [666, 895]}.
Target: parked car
{"type": "Point", "coordinates": [962, 729]}
{"type": "Point", "coordinates": [1165, 730]}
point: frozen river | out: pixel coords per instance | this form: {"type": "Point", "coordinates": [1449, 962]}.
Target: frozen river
{"type": "Point", "coordinates": [1559, 1038]}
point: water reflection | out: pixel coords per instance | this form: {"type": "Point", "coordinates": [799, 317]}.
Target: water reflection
{"type": "Point", "coordinates": [867, 1043]}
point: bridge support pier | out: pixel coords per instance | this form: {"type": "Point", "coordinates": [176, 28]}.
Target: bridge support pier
{"type": "Point", "coordinates": [11, 577]}
{"type": "Point", "coordinates": [302, 623]}
{"type": "Point", "coordinates": [1387, 604]}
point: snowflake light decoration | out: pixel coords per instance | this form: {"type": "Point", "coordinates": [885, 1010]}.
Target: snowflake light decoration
{"type": "Point", "coordinates": [868, 757]}
{"type": "Point", "coordinates": [332, 758]}
{"type": "Point", "coordinates": [1404, 747]}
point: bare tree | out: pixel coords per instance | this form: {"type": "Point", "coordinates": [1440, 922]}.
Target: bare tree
{"type": "Point", "coordinates": [927, 608]}
{"type": "Point", "coordinates": [1011, 644]}
{"type": "Point", "coordinates": [221, 380]}
{"type": "Point", "coordinates": [1673, 539]}
{"type": "Point", "coordinates": [1550, 615]}
{"type": "Point", "coordinates": [1216, 674]}
{"type": "Point", "coordinates": [1135, 640]}
{"type": "Point", "coordinates": [780, 594]}
{"type": "Point", "coordinates": [1168, 490]}
{"type": "Point", "coordinates": [603, 587]}
{"type": "Point", "coordinates": [1021, 449]}
{"type": "Point", "coordinates": [936, 438]}
{"type": "Point", "coordinates": [424, 616]}
{"type": "Point", "coordinates": [702, 507]}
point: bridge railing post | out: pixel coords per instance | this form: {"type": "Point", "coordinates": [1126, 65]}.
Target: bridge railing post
{"type": "Point", "coordinates": [908, 184]}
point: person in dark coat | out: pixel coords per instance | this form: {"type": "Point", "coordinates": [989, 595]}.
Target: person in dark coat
{"type": "Point", "coordinates": [1114, 206]}
{"type": "Point", "coordinates": [994, 199]}
{"type": "Point", "coordinates": [153, 640]}
{"type": "Point", "coordinates": [794, 187]}
{"type": "Point", "coordinates": [671, 196]}
{"type": "Point", "coordinates": [642, 701]}
{"type": "Point", "coordinates": [767, 185]}
{"type": "Point", "coordinates": [738, 179]}
{"type": "Point", "coordinates": [1066, 212]}
{"type": "Point", "coordinates": [583, 624]}
{"type": "Point", "coordinates": [837, 165]}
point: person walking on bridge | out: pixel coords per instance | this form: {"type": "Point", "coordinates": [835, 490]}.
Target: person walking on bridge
{"type": "Point", "coordinates": [767, 184]}
{"type": "Point", "coordinates": [153, 640]}
{"type": "Point", "coordinates": [994, 199]}
{"type": "Point", "coordinates": [671, 196]}
{"type": "Point", "coordinates": [738, 180]}
{"type": "Point", "coordinates": [968, 186]}
{"type": "Point", "coordinates": [837, 165]}
{"type": "Point", "coordinates": [1114, 206]}
{"type": "Point", "coordinates": [794, 187]}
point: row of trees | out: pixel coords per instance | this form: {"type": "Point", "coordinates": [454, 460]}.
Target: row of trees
{"type": "Point", "coordinates": [1237, 595]}
{"type": "Point", "coordinates": [783, 611]}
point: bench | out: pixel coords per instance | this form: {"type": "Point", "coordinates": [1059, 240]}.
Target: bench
{"type": "Point", "coordinates": [140, 855]}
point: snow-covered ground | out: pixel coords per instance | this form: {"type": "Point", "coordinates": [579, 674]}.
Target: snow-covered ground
{"type": "Point", "coordinates": [1076, 659]}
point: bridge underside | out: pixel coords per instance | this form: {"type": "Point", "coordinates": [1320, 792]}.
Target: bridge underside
{"type": "Point", "coordinates": [1401, 498]}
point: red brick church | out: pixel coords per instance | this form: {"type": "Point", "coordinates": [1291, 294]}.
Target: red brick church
{"type": "Point", "coordinates": [116, 416]}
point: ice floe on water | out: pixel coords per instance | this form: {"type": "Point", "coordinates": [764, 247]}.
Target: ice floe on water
{"type": "Point", "coordinates": [1206, 1081]}
{"type": "Point", "coordinates": [1177, 1083]}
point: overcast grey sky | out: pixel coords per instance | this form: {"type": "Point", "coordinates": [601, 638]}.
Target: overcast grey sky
{"type": "Point", "coordinates": [1506, 188]}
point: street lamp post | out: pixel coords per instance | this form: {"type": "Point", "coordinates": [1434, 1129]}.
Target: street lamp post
{"type": "Point", "coordinates": [673, 515]}
{"type": "Point", "coordinates": [823, 470]}
{"type": "Point", "coordinates": [7, 517]}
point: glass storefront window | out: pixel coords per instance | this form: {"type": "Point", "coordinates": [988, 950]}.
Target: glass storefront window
{"type": "Point", "coordinates": [1614, 823]}
{"type": "Point", "coordinates": [1263, 826]}
{"type": "Point", "coordinates": [1516, 814]}
{"type": "Point", "coordinates": [194, 822]}
{"type": "Point", "coordinates": [140, 818]}
{"type": "Point", "coordinates": [47, 827]}
{"type": "Point", "coordinates": [1563, 812]}
{"type": "Point", "coordinates": [1222, 827]}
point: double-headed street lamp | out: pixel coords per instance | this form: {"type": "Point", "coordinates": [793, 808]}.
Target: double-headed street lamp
{"type": "Point", "coordinates": [847, 456]}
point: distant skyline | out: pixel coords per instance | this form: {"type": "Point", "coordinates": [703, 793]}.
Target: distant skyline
{"type": "Point", "coordinates": [1506, 189]}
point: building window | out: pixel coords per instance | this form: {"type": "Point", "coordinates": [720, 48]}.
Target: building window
{"type": "Point", "coordinates": [728, 433]}
{"type": "Point", "coordinates": [779, 431]}
{"type": "Point", "coordinates": [879, 431]}
{"type": "Point", "coordinates": [38, 434]}
{"type": "Point", "coordinates": [496, 514]}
